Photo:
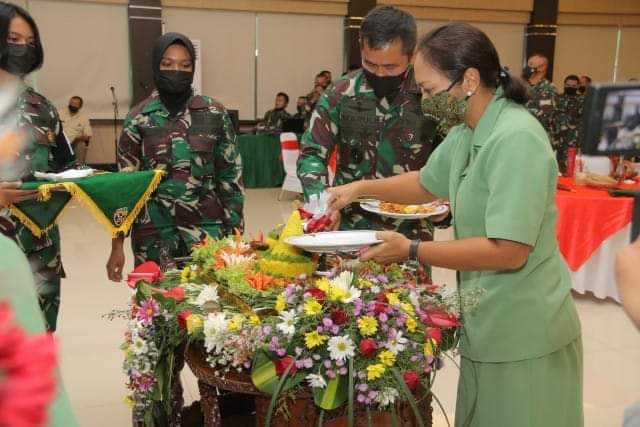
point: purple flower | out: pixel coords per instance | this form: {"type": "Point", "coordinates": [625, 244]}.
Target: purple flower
{"type": "Point", "coordinates": [372, 394]}
{"type": "Point", "coordinates": [266, 330]}
{"type": "Point", "coordinates": [330, 373]}
{"type": "Point", "coordinates": [320, 329]}
{"type": "Point", "coordinates": [327, 364]}
{"type": "Point", "coordinates": [343, 371]}
{"type": "Point", "coordinates": [281, 352]}
{"type": "Point", "coordinates": [339, 363]}
{"type": "Point", "coordinates": [308, 363]}
{"type": "Point", "coordinates": [392, 333]}
{"type": "Point", "coordinates": [148, 310]}
{"type": "Point", "coordinates": [400, 321]}
{"type": "Point", "coordinates": [360, 398]}
{"type": "Point", "coordinates": [335, 329]}
{"type": "Point", "coordinates": [145, 382]}
{"type": "Point", "coordinates": [414, 358]}
{"type": "Point", "coordinates": [362, 375]}
{"type": "Point", "coordinates": [300, 364]}
{"type": "Point", "coordinates": [385, 328]}
{"type": "Point", "coordinates": [383, 317]}
{"type": "Point", "coordinates": [382, 278]}
{"type": "Point", "coordinates": [362, 387]}
{"type": "Point", "coordinates": [327, 323]}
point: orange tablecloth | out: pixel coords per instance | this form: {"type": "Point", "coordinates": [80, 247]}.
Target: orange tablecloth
{"type": "Point", "coordinates": [586, 218]}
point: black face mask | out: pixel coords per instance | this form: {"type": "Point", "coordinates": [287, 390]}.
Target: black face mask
{"type": "Point", "coordinates": [174, 83]}
{"type": "Point", "coordinates": [18, 59]}
{"type": "Point", "coordinates": [571, 90]}
{"type": "Point", "coordinates": [582, 89]}
{"type": "Point", "coordinates": [527, 72]}
{"type": "Point", "coordinates": [384, 86]}
{"type": "Point", "coordinates": [73, 110]}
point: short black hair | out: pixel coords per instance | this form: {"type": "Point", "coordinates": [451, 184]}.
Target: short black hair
{"type": "Point", "coordinates": [325, 73]}
{"type": "Point", "coordinates": [385, 24]}
{"type": "Point", "coordinates": [572, 77]}
{"type": "Point", "coordinates": [453, 48]}
{"type": "Point", "coordinates": [8, 11]}
{"type": "Point", "coordinates": [79, 98]}
{"type": "Point", "coordinates": [284, 95]}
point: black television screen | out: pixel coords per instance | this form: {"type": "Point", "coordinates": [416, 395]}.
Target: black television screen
{"type": "Point", "coordinates": [611, 119]}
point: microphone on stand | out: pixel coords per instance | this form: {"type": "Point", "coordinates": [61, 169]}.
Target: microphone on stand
{"type": "Point", "coordinates": [115, 122]}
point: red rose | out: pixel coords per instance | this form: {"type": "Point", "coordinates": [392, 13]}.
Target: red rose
{"type": "Point", "coordinates": [339, 317]}
{"type": "Point", "coordinates": [182, 318]}
{"type": "Point", "coordinates": [382, 298]}
{"type": "Point", "coordinates": [283, 363]}
{"type": "Point", "coordinates": [411, 379]}
{"type": "Point", "coordinates": [368, 348]}
{"type": "Point", "coordinates": [316, 293]}
{"type": "Point", "coordinates": [440, 319]}
{"type": "Point", "coordinates": [379, 308]}
{"type": "Point", "coordinates": [176, 293]}
{"type": "Point", "coordinates": [435, 334]}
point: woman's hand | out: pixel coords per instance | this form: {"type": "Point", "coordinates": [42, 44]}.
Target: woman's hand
{"type": "Point", "coordinates": [394, 248]}
{"type": "Point", "coordinates": [10, 193]}
{"type": "Point", "coordinates": [343, 195]}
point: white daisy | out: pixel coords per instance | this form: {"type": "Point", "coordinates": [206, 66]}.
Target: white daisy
{"type": "Point", "coordinates": [397, 344]}
{"type": "Point", "coordinates": [341, 348]}
{"type": "Point", "coordinates": [138, 346]}
{"type": "Point", "coordinates": [343, 282]}
{"type": "Point", "coordinates": [288, 324]}
{"type": "Point", "coordinates": [375, 289]}
{"type": "Point", "coordinates": [316, 381]}
{"type": "Point", "coordinates": [387, 396]}
{"type": "Point", "coordinates": [214, 328]}
{"type": "Point", "coordinates": [208, 294]}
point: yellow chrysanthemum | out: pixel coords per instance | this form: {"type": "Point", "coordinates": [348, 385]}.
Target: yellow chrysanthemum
{"type": "Point", "coordinates": [235, 323]}
{"type": "Point", "coordinates": [184, 275]}
{"type": "Point", "coordinates": [194, 323]}
{"type": "Point", "coordinates": [411, 324]}
{"type": "Point", "coordinates": [323, 284]}
{"type": "Point", "coordinates": [375, 371]}
{"type": "Point", "coordinates": [193, 275]}
{"type": "Point", "coordinates": [387, 358]}
{"type": "Point", "coordinates": [281, 303]}
{"type": "Point", "coordinates": [393, 299]}
{"type": "Point", "coordinates": [364, 283]}
{"type": "Point", "coordinates": [312, 307]}
{"type": "Point", "coordinates": [429, 347]}
{"type": "Point", "coordinates": [314, 339]}
{"type": "Point", "coordinates": [128, 400]}
{"type": "Point", "coordinates": [254, 320]}
{"type": "Point", "coordinates": [408, 308]}
{"type": "Point", "coordinates": [367, 325]}
{"type": "Point", "coordinates": [336, 294]}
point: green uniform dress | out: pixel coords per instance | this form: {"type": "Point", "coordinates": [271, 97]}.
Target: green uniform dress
{"type": "Point", "coordinates": [17, 287]}
{"type": "Point", "coordinates": [521, 349]}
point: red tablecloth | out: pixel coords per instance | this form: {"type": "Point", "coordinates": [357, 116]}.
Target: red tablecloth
{"type": "Point", "coordinates": [586, 218]}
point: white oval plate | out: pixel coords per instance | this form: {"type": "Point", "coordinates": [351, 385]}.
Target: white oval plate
{"type": "Point", "coordinates": [374, 207]}
{"type": "Point", "coordinates": [335, 241]}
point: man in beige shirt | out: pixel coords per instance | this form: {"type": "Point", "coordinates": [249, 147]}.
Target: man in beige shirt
{"type": "Point", "coordinates": [77, 128]}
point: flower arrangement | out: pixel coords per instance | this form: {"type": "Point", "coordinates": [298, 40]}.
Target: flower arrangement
{"type": "Point", "coordinates": [362, 334]}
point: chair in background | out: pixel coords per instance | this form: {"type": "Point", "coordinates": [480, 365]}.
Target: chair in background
{"type": "Point", "coordinates": [290, 148]}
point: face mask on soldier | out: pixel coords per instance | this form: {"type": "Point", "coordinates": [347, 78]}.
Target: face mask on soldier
{"type": "Point", "coordinates": [527, 72]}
{"type": "Point", "coordinates": [570, 90]}
{"type": "Point", "coordinates": [384, 85]}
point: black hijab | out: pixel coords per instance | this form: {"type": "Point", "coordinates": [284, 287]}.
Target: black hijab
{"type": "Point", "coordinates": [173, 101]}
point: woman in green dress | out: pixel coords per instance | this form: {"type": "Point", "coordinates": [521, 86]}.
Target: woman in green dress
{"type": "Point", "coordinates": [521, 349]}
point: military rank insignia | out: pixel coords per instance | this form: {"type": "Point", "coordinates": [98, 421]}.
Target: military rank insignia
{"type": "Point", "coordinates": [119, 216]}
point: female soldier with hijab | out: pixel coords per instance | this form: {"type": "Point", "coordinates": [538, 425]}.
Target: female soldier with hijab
{"type": "Point", "coordinates": [43, 148]}
{"type": "Point", "coordinates": [191, 138]}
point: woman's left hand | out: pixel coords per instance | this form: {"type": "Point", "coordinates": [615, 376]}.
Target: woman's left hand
{"type": "Point", "coordinates": [394, 248]}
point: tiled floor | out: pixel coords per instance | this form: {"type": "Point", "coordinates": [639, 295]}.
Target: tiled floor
{"type": "Point", "coordinates": [90, 358]}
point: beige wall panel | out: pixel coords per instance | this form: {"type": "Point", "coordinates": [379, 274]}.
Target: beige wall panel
{"type": "Point", "coordinates": [292, 50]}
{"type": "Point", "coordinates": [507, 38]}
{"type": "Point", "coordinates": [599, 6]}
{"type": "Point", "coordinates": [86, 52]}
{"type": "Point", "coordinates": [102, 146]}
{"type": "Point", "coordinates": [629, 62]}
{"type": "Point", "coordinates": [585, 50]}
{"type": "Point", "coordinates": [330, 7]}
{"type": "Point", "coordinates": [522, 5]}
{"type": "Point", "coordinates": [228, 46]}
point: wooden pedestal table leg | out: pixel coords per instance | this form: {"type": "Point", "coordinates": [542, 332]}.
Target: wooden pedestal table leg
{"type": "Point", "coordinates": [210, 405]}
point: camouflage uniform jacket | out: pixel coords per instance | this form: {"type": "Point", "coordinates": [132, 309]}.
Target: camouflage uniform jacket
{"type": "Point", "coordinates": [373, 139]}
{"type": "Point", "coordinates": [38, 118]}
{"type": "Point", "coordinates": [567, 120]}
{"type": "Point", "coordinates": [202, 192]}
{"type": "Point", "coordinates": [542, 104]}
{"type": "Point", "coordinates": [273, 120]}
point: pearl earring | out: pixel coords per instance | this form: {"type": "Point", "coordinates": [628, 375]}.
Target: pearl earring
{"type": "Point", "coordinates": [469, 93]}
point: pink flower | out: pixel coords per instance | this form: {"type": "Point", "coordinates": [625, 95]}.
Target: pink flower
{"type": "Point", "coordinates": [144, 382]}
{"type": "Point", "coordinates": [148, 310]}
{"type": "Point", "coordinates": [27, 365]}
{"type": "Point", "coordinates": [176, 293]}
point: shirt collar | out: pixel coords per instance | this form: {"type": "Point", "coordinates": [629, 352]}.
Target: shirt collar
{"type": "Point", "coordinates": [489, 117]}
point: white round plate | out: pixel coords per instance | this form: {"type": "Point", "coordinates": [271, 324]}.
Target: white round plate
{"type": "Point", "coordinates": [335, 241]}
{"type": "Point", "coordinates": [374, 207]}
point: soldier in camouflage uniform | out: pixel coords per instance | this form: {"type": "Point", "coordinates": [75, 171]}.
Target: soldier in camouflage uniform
{"type": "Point", "coordinates": [273, 119]}
{"type": "Point", "coordinates": [372, 117]}
{"type": "Point", "coordinates": [542, 92]}
{"type": "Point", "coordinates": [567, 119]}
{"type": "Point", "coordinates": [45, 149]}
{"type": "Point", "coordinates": [192, 139]}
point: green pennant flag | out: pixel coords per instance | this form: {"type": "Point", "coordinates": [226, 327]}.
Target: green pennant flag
{"type": "Point", "coordinates": [114, 199]}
